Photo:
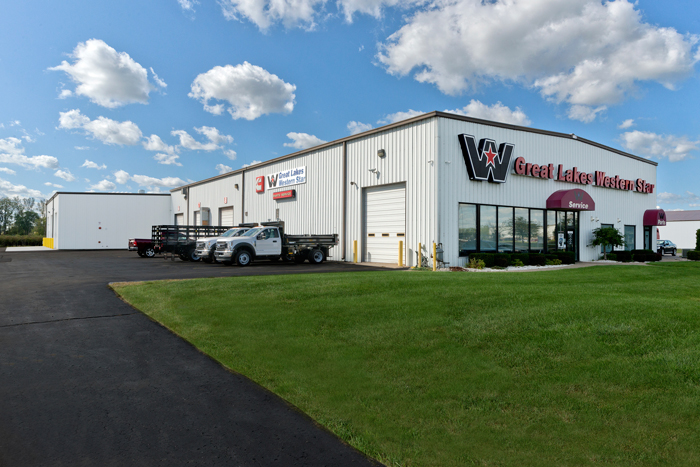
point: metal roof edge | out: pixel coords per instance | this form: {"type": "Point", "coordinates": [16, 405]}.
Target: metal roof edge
{"type": "Point", "coordinates": [93, 193]}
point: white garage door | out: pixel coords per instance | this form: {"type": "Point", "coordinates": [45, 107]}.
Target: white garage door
{"type": "Point", "coordinates": [179, 219]}
{"type": "Point", "coordinates": [385, 223]}
{"type": "Point", "coordinates": [196, 218]}
{"type": "Point", "coordinates": [226, 216]}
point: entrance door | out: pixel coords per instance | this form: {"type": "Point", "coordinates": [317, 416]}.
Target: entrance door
{"type": "Point", "coordinates": [647, 237]}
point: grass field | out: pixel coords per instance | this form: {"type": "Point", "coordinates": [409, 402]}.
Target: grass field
{"type": "Point", "coordinates": [590, 366]}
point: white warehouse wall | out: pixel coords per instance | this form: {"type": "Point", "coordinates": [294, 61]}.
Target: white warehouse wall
{"type": "Point", "coordinates": [682, 233]}
{"type": "Point", "coordinates": [91, 221]}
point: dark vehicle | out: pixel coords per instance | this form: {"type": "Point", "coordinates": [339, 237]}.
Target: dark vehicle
{"type": "Point", "coordinates": [181, 240]}
{"type": "Point", "coordinates": [666, 246]}
{"type": "Point", "coordinates": [143, 246]}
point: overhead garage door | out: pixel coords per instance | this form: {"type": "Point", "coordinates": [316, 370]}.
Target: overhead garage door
{"type": "Point", "coordinates": [385, 223]}
{"type": "Point", "coordinates": [179, 219]}
{"type": "Point", "coordinates": [196, 218]}
{"type": "Point", "coordinates": [226, 216]}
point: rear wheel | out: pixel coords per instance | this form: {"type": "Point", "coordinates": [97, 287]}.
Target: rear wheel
{"type": "Point", "coordinates": [673, 253]}
{"type": "Point", "coordinates": [243, 258]}
{"type": "Point", "coordinates": [149, 252]}
{"type": "Point", "coordinates": [317, 256]}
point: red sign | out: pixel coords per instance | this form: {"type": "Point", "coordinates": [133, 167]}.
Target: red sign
{"type": "Point", "coordinates": [259, 184]}
{"type": "Point", "coordinates": [199, 205]}
{"type": "Point", "coordinates": [283, 194]}
{"type": "Point", "coordinates": [225, 199]}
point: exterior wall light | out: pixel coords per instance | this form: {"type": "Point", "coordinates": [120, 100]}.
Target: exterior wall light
{"type": "Point", "coordinates": [374, 171]}
{"type": "Point", "coordinates": [381, 153]}
{"type": "Point", "coordinates": [236, 186]}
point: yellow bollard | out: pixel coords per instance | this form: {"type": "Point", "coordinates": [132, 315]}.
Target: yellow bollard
{"type": "Point", "coordinates": [434, 257]}
{"type": "Point", "coordinates": [420, 256]}
{"type": "Point", "coordinates": [400, 253]}
{"type": "Point", "coordinates": [354, 251]}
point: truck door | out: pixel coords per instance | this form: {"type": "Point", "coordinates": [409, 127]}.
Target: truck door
{"type": "Point", "coordinates": [268, 242]}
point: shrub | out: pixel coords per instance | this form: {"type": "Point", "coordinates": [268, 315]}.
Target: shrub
{"type": "Point", "coordinates": [553, 262]}
{"type": "Point", "coordinates": [522, 257]}
{"type": "Point", "coordinates": [476, 263]}
{"type": "Point", "coordinates": [501, 259]}
{"type": "Point", "coordinates": [20, 240]}
{"type": "Point", "coordinates": [487, 258]}
{"type": "Point", "coordinates": [566, 257]}
{"type": "Point", "coordinates": [612, 256]}
{"type": "Point", "coordinates": [537, 259]}
{"type": "Point", "coordinates": [697, 240]}
{"type": "Point", "coordinates": [624, 256]}
{"type": "Point", "coordinates": [517, 263]}
{"type": "Point", "coordinates": [694, 255]}
{"type": "Point", "coordinates": [645, 255]}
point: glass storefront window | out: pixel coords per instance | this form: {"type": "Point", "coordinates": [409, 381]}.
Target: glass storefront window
{"type": "Point", "coordinates": [551, 231]}
{"type": "Point", "coordinates": [521, 229]}
{"type": "Point", "coordinates": [487, 228]}
{"type": "Point", "coordinates": [629, 237]}
{"type": "Point", "coordinates": [536, 230]}
{"type": "Point", "coordinates": [505, 229]}
{"type": "Point", "coordinates": [467, 227]}
{"type": "Point", "coordinates": [609, 247]}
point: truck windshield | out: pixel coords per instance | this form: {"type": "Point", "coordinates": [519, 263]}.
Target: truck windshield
{"type": "Point", "coordinates": [230, 233]}
{"type": "Point", "coordinates": [252, 232]}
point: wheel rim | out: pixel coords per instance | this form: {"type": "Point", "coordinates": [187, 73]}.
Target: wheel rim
{"type": "Point", "coordinates": [318, 256]}
{"type": "Point", "coordinates": [243, 258]}
{"type": "Point", "coordinates": [150, 252]}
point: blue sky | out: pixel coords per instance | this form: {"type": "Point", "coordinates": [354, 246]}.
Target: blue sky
{"type": "Point", "coordinates": [129, 95]}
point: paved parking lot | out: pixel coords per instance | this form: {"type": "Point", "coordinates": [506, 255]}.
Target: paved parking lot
{"type": "Point", "coordinates": [87, 380]}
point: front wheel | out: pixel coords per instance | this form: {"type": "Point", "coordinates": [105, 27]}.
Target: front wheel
{"type": "Point", "coordinates": [243, 258]}
{"type": "Point", "coordinates": [193, 256]}
{"type": "Point", "coordinates": [317, 256]}
{"type": "Point", "coordinates": [673, 253]}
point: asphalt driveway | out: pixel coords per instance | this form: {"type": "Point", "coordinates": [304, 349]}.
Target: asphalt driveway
{"type": "Point", "coordinates": [87, 380]}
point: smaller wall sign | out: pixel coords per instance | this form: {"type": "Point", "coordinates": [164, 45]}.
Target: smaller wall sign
{"type": "Point", "coordinates": [225, 199]}
{"type": "Point", "coordinates": [260, 184]}
{"type": "Point", "coordinates": [283, 194]}
{"type": "Point", "coordinates": [199, 205]}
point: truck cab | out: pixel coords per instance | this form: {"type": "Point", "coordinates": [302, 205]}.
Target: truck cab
{"type": "Point", "coordinates": [206, 247]}
{"type": "Point", "coordinates": [256, 243]}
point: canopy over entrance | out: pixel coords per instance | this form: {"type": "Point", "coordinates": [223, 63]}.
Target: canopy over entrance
{"type": "Point", "coordinates": [654, 217]}
{"type": "Point", "coordinates": [571, 200]}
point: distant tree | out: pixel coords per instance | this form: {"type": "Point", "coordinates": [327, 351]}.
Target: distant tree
{"type": "Point", "coordinates": [19, 216]}
{"type": "Point", "coordinates": [8, 210]}
{"type": "Point", "coordinates": [697, 240]}
{"type": "Point", "coordinates": [607, 236]}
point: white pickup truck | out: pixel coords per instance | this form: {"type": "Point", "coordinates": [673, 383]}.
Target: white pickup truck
{"type": "Point", "coordinates": [206, 246]}
{"type": "Point", "coordinates": [271, 242]}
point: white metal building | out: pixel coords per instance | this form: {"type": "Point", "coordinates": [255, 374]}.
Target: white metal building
{"type": "Point", "coordinates": [93, 221]}
{"type": "Point", "coordinates": [681, 228]}
{"type": "Point", "coordinates": [470, 184]}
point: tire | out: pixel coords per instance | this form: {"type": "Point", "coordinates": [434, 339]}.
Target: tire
{"type": "Point", "coordinates": [243, 258]}
{"type": "Point", "coordinates": [673, 252]}
{"type": "Point", "coordinates": [317, 256]}
{"type": "Point", "coordinates": [149, 252]}
{"type": "Point", "coordinates": [193, 256]}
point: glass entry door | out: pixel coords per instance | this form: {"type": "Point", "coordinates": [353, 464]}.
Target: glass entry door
{"type": "Point", "coordinates": [567, 234]}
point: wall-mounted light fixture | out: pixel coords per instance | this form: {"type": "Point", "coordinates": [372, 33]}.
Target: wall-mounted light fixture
{"type": "Point", "coordinates": [236, 186]}
{"type": "Point", "coordinates": [381, 153]}
{"type": "Point", "coordinates": [374, 171]}
{"type": "Point", "coordinates": [618, 220]}
{"type": "Point", "coordinates": [353, 183]}
{"type": "Point", "coordinates": [592, 219]}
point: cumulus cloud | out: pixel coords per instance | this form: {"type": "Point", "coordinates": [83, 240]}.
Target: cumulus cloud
{"type": "Point", "coordinates": [104, 185]}
{"type": "Point", "coordinates": [249, 90]}
{"type": "Point", "coordinates": [213, 135]}
{"type": "Point", "coordinates": [584, 113]}
{"type": "Point", "coordinates": [107, 77]}
{"type": "Point", "coordinates": [65, 175]}
{"type": "Point", "coordinates": [672, 198]}
{"type": "Point", "coordinates": [10, 190]}
{"type": "Point", "coordinates": [32, 162]}
{"type": "Point", "coordinates": [578, 52]}
{"type": "Point", "coordinates": [647, 144]}
{"type": "Point", "coordinates": [81, 148]}
{"type": "Point", "coordinates": [188, 5]}
{"type": "Point", "coordinates": [166, 182]}
{"type": "Point", "coordinates": [358, 127]}
{"type": "Point", "coordinates": [222, 169]}
{"type": "Point", "coordinates": [8, 171]}
{"type": "Point", "coordinates": [216, 139]}
{"type": "Point", "coordinates": [11, 146]}
{"type": "Point", "coordinates": [496, 112]}
{"type": "Point", "coordinates": [167, 159]}
{"type": "Point", "coordinates": [264, 13]}
{"type": "Point", "coordinates": [154, 143]}
{"type": "Point", "coordinates": [93, 165]}
{"type": "Point", "coordinates": [230, 153]}
{"type": "Point", "coordinates": [53, 185]}
{"type": "Point", "coordinates": [626, 124]}
{"type": "Point", "coordinates": [121, 176]}
{"type": "Point", "coordinates": [399, 116]}
{"type": "Point", "coordinates": [106, 130]}
{"type": "Point", "coordinates": [253, 162]}
{"type": "Point", "coordinates": [303, 140]}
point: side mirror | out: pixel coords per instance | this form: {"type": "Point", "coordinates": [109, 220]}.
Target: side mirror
{"type": "Point", "coordinates": [260, 236]}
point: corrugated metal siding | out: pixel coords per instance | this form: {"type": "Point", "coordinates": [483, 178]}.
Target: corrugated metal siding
{"type": "Point", "coordinates": [521, 191]}
{"type": "Point", "coordinates": [409, 150]}
{"type": "Point", "coordinates": [214, 195]}
{"type": "Point", "coordinates": [80, 217]}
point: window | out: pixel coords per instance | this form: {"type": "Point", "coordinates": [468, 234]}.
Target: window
{"type": "Point", "coordinates": [521, 229]}
{"type": "Point", "coordinates": [629, 237]}
{"type": "Point", "coordinates": [536, 230]}
{"type": "Point", "coordinates": [551, 231]}
{"type": "Point", "coordinates": [467, 227]}
{"type": "Point", "coordinates": [505, 229]}
{"type": "Point", "coordinates": [487, 228]}
{"type": "Point", "coordinates": [609, 248]}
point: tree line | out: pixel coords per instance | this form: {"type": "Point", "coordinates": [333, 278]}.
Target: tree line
{"type": "Point", "coordinates": [22, 216]}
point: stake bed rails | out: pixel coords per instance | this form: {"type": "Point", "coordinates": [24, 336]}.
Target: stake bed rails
{"type": "Point", "coordinates": [181, 240]}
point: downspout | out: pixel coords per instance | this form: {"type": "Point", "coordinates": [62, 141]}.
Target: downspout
{"type": "Point", "coordinates": [345, 196]}
{"type": "Point", "coordinates": [243, 197]}
{"type": "Point", "coordinates": [188, 206]}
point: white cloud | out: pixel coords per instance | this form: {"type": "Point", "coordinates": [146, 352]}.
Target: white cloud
{"type": "Point", "coordinates": [358, 127]}
{"type": "Point", "coordinates": [398, 116]}
{"type": "Point", "coordinates": [81, 148]}
{"type": "Point", "coordinates": [8, 171]}
{"type": "Point", "coordinates": [230, 153]}
{"type": "Point", "coordinates": [264, 13]}
{"type": "Point", "coordinates": [154, 143]}
{"type": "Point", "coordinates": [222, 169]}
{"type": "Point", "coordinates": [166, 182]}
{"type": "Point", "coordinates": [93, 165]}
{"type": "Point", "coordinates": [104, 185]}
{"type": "Point", "coordinates": [647, 144]}
{"type": "Point", "coordinates": [626, 124]}
{"type": "Point", "coordinates": [121, 176]}
{"type": "Point", "coordinates": [65, 93]}
{"type": "Point", "coordinates": [34, 162]}
{"type": "Point", "coordinates": [11, 146]}
{"type": "Point", "coordinates": [188, 5]}
{"type": "Point", "coordinates": [303, 140]}
{"type": "Point", "coordinates": [250, 90]}
{"type": "Point", "coordinates": [580, 52]}
{"type": "Point", "coordinates": [65, 175]}
{"type": "Point", "coordinates": [585, 113]}
{"type": "Point", "coordinates": [213, 135]}
{"type": "Point", "coordinates": [10, 190]}
{"type": "Point", "coordinates": [188, 142]}
{"type": "Point", "coordinates": [253, 162]}
{"type": "Point", "coordinates": [105, 76]}
{"type": "Point", "coordinates": [106, 130]}
{"type": "Point", "coordinates": [158, 81]}
{"type": "Point", "coordinates": [496, 112]}
{"type": "Point", "coordinates": [15, 123]}
{"type": "Point", "coordinates": [167, 159]}
{"type": "Point", "coordinates": [53, 185]}
{"type": "Point", "coordinates": [672, 198]}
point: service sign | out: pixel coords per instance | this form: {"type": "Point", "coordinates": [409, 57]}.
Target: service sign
{"type": "Point", "coordinates": [283, 194]}
{"type": "Point", "coordinates": [290, 177]}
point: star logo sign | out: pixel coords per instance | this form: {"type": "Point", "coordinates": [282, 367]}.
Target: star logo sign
{"type": "Point", "coordinates": [490, 155]}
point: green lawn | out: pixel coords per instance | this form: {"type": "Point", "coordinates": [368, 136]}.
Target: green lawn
{"type": "Point", "coordinates": [591, 366]}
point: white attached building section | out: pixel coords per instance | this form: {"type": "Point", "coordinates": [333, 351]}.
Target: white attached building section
{"type": "Point", "coordinates": [385, 223]}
